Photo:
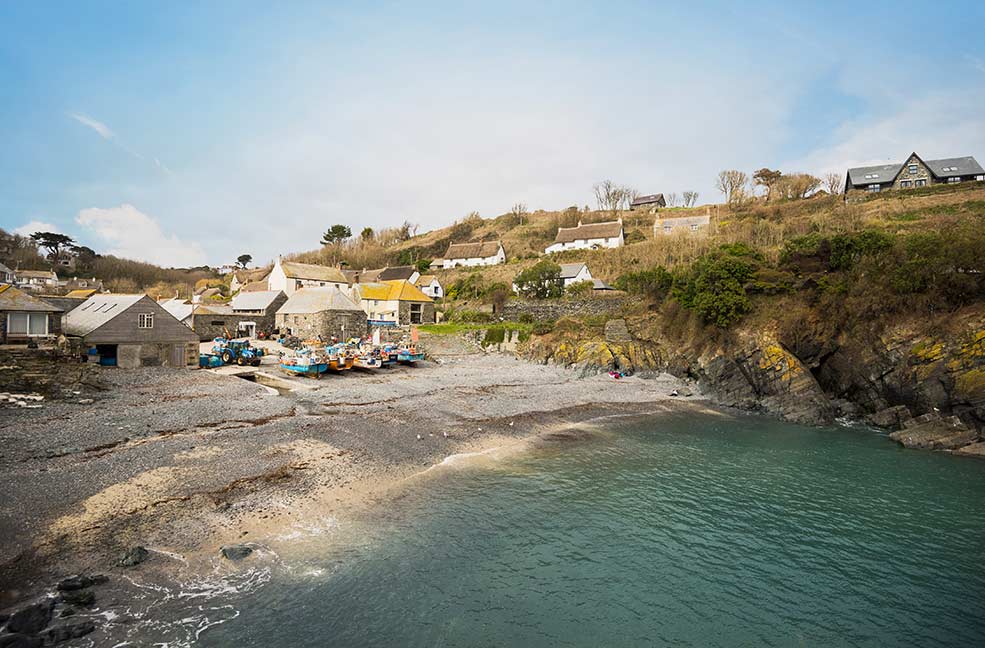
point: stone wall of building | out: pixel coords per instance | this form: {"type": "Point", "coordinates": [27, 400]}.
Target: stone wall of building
{"type": "Point", "coordinates": [325, 324]}
{"type": "Point", "coordinates": [554, 309]}
{"type": "Point", "coordinates": [905, 176]}
{"type": "Point", "coordinates": [213, 325]}
{"type": "Point", "coordinates": [427, 313]}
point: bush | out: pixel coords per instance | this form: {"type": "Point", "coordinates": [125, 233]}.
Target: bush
{"type": "Point", "coordinates": [468, 316]}
{"type": "Point", "coordinates": [471, 286]}
{"type": "Point", "coordinates": [541, 281]}
{"type": "Point", "coordinates": [580, 289]}
{"type": "Point", "coordinates": [653, 283]}
{"type": "Point", "coordinates": [543, 327]}
{"type": "Point", "coordinates": [714, 286]}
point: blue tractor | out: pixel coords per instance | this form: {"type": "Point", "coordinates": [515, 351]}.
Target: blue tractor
{"type": "Point", "coordinates": [238, 351]}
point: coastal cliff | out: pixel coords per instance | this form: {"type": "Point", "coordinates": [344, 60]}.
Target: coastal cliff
{"type": "Point", "coordinates": [921, 378]}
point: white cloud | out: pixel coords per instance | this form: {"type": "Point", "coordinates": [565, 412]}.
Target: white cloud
{"type": "Point", "coordinates": [104, 131]}
{"type": "Point", "coordinates": [127, 232]}
{"type": "Point", "coordinates": [36, 226]}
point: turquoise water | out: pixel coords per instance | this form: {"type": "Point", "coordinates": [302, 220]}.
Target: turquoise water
{"type": "Point", "coordinates": [681, 531]}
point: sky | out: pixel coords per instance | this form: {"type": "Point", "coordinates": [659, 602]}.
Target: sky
{"type": "Point", "coordinates": [187, 133]}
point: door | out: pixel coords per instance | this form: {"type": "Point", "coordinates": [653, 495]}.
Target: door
{"type": "Point", "coordinates": [177, 358]}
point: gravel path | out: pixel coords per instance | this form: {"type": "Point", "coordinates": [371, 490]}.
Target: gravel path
{"type": "Point", "coordinates": [187, 460]}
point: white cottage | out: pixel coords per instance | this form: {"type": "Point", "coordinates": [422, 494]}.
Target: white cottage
{"type": "Point", "coordinates": [591, 236]}
{"type": "Point", "coordinates": [430, 286]}
{"type": "Point", "coordinates": [572, 273]}
{"type": "Point", "coordinates": [485, 253]}
{"type": "Point", "coordinates": [663, 226]}
{"type": "Point", "coordinates": [288, 276]}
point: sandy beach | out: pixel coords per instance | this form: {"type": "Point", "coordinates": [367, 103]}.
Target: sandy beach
{"type": "Point", "coordinates": [183, 462]}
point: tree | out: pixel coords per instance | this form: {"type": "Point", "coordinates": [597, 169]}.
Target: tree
{"type": "Point", "coordinates": [767, 179]}
{"type": "Point", "coordinates": [53, 242]}
{"type": "Point", "coordinates": [833, 183]}
{"type": "Point", "coordinates": [423, 265]}
{"type": "Point", "coordinates": [244, 260]}
{"type": "Point", "coordinates": [690, 197]}
{"type": "Point", "coordinates": [540, 281]}
{"type": "Point", "coordinates": [797, 186]}
{"type": "Point", "coordinates": [672, 199]}
{"type": "Point", "coordinates": [732, 183]}
{"type": "Point", "coordinates": [612, 197]}
{"type": "Point", "coordinates": [367, 234]}
{"type": "Point", "coordinates": [336, 234]}
{"type": "Point", "coordinates": [519, 210]}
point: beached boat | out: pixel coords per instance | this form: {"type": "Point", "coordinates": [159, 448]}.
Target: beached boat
{"type": "Point", "coordinates": [409, 355]}
{"type": "Point", "coordinates": [306, 362]}
{"type": "Point", "coordinates": [340, 358]}
{"type": "Point", "coordinates": [315, 370]}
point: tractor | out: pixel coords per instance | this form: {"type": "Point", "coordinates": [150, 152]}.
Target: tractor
{"type": "Point", "coordinates": [238, 351]}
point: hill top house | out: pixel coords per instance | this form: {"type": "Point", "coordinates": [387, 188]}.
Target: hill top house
{"type": "Point", "coordinates": [914, 172]}
{"type": "Point", "coordinates": [590, 236]}
{"type": "Point", "coordinates": [484, 253]}
{"type": "Point", "coordinates": [651, 202]}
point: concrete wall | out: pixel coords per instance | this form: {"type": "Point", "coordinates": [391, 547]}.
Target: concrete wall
{"type": "Point", "coordinates": [325, 324]}
{"type": "Point", "coordinates": [554, 309]}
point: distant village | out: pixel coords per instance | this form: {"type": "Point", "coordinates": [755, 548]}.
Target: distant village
{"type": "Point", "coordinates": [319, 302]}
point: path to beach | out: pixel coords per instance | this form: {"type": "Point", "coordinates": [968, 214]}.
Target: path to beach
{"type": "Point", "coordinates": [186, 461]}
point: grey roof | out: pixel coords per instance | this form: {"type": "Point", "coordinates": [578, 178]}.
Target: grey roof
{"type": "Point", "coordinates": [96, 311]}
{"type": "Point", "coordinates": [316, 300]}
{"type": "Point", "coordinates": [5, 270]}
{"type": "Point", "coordinates": [397, 272]}
{"type": "Point", "coordinates": [598, 284]}
{"type": "Point", "coordinates": [961, 166]}
{"type": "Point", "coordinates": [260, 300]}
{"type": "Point", "coordinates": [649, 200]}
{"type": "Point", "coordinates": [683, 221]}
{"type": "Point", "coordinates": [180, 309]}
{"type": "Point", "coordinates": [880, 173]}
{"type": "Point", "coordinates": [571, 270]}
{"type": "Point", "coordinates": [13, 299]}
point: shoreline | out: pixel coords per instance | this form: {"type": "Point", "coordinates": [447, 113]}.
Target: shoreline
{"type": "Point", "coordinates": [309, 455]}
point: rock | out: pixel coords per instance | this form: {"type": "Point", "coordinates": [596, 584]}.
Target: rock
{"type": "Point", "coordinates": [891, 418]}
{"type": "Point", "coordinates": [31, 619]}
{"type": "Point", "coordinates": [845, 407]}
{"type": "Point", "coordinates": [236, 552]}
{"type": "Point", "coordinates": [616, 331]}
{"type": "Point", "coordinates": [3, 618]}
{"type": "Point", "coordinates": [18, 640]}
{"type": "Point", "coordinates": [67, 612]}
{"type": "Point", "coordinates": [80, 582]}
{"type": "Point", "coordinates": [933, 432]}
{"type": "Point", "coordinates": [68, 631]}
{"type": "Point", "coordinates": [83, 598]}
{"type": "Point", "coordinates": [973, 450]}
{"type": "Point", "coordinates": [133, 557]}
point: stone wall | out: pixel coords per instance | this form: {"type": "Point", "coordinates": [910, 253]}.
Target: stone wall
{"type": "Point", "coordinates": [325, 324]}
{"type": "Point", "coordinates": [45, 371]}
{"type": "Point", "coordinates": [427, 313]}
{"type": "Point", "coordinates": [554, 309]}
{"type": "Point", "coordinates": [212, 325]}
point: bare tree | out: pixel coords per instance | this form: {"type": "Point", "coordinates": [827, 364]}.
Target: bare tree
{"type": "Point", "coordinates": [833, 183]}
{"type": "Point", "coordinates": [612, 197]}
{"type": "Point", "coordinates": [796, 186]}
{"type": "Point", "coordinates": [690, 197]}
{"type": "Point", "coordinates": [732, 183]}
{"type": "Point", "coordinates": [671, 199]}
{"type": "Point", "coordinates": [519, 210]}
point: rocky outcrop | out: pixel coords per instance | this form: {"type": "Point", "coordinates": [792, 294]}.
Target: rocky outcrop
{"type": "Point", "coordinates": [133, 557]}
{"type": "Point", "coordinates": [236, 552]}
{"type": "Point", "coordinates": [934, 432]}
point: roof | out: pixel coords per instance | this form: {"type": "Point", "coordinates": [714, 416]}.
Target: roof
{"type": "Point", "coordinates": [81, 293]}
{"type": "Point", "coordinates": [96, 311]}
{"type": "Point", "coordinates": [312, 272]}
{"type": "Point", "coordinates": [398, 272]}
{"type": "Point", "coordinates": [679, 221]}
{"type": "Point", "coordinates": [608, 229]}
{"type": "Point", "coordinates": [180, 309]}
{"type": "Point", "coordinates": [425, 280]}
{"type": "Point", "coordinates": [883, 173]}
{"type": "Point", "coordinates": [254, 274]}
{"type": "Point", "coordinates": [362, 276]}
{"type": "Point", "coordinates": [598, 284]}
{"type": "Point", "coordinates": [648, 200]}
{"type": "Point", "coordinates": [213, 308]}
{"type": "Point", "coordinates": [208, 292]}
{"type": "Point", "coordinates": [36, 274]}
{"type": "Point", "coordinates": [392, 291]}
{"type": "Point", "coordinates": [4, 269]}
{"type": "Point", "coordinates": [256, 286]}
{"type": "Point", "coordinates": [316, 300]}
{"type": "Point", "coordinates": [480, 250]}
{"type": "Point", "coordinates": [571, 270]}
{"type": "Point", "coordinates": [13, 299]}
{"type": "Point", "coordinates": [255, 300]}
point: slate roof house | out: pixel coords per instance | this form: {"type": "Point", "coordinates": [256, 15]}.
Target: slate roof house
{"type": "Point", "coordinates": [35, 279]}
{"type": "Point", "coordinates": [6, 274]}
{"type": "Point", "coordinates": [289, 276]}
{"type": "Point", "coordinates": [663, 226]}
{"type": "Point", "coordinates": [247, 314]}
{"type": "Point", "coordinates": [913, 172]}
{"type": "Point", "coordinates": [131, 331]}
{"type": "Point", "coordinates": [395, 303]}
{"type": "Point", "coordinates": [394, 273]}
{"type": "Point", "coordinates": [484, 253]}
{"type": "Point", "coordinates": [430, 286]}
{"type": "Point", "coordinates": [651, 202]}
{"type": "Point", "coordinates": [312, 313]}
{"type": "Point", "coordinates": [180, 309]}
{"type": "Point", "coordinates": [590, 236]}
{"type": "Point", "coordinates": [572, 273]}
{"type": "Point", "coordinates": [24, 317]}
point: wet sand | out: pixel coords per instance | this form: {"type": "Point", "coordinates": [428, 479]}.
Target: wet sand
{"type": "Point", "coordinates": [183, 462]}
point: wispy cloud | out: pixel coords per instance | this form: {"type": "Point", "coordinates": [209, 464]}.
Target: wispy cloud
{"type": "Point", "coordinates": [104, 131]}
{"type": "Point", "coordinates": [35, 226]}
{"type": "Point", "coordinates": [127, 232]}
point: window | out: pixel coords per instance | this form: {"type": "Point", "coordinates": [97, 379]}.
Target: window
{"type": "Point", "coordinates": [667, 229]}
{"type": "Point", "coordinates": [954, 180]}
{"type": "Point", "coordinates": [922, 182]}
{"type": "Point", "coordinates": [416, 313]}
{"type": "Point", "coordinates": [217, 323]}
{"type": "Point", "coordinates": [873, 188]}
{"type": "Point", "coordinates": [694, 228]}
{"type": "Point", "coordinates": [912, 169]}
{"type": "Point", "coordinates": [905, 183]}
{"type": "Point", "coordinates": [979, 178]}
{"type": "Point", "coordinates": [145, 320]}
{"type": "Point", "coordinates": [31, 324]}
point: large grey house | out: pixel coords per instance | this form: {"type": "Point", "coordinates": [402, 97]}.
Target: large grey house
{"type": "Point", "coordinates": [914, 172]}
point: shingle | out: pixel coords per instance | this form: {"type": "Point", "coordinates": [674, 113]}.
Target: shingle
{"type": "Point", "coordinates": [13, 299]}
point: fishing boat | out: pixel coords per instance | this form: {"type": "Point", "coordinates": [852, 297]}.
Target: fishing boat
{"type": "Point", "coordinates": [306, 362]}
{"type": "Point", "coordinates": [409, 355]}
{"type": "Point", "coordinates": [388, 355]}
{"type": "Point", "coordinates": [340, 358]}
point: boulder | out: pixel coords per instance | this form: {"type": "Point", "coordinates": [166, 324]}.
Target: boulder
{"type": "Point", "coordinates": [133, 557]}
{"type": "Point", "coordinates": [58, 634]}
{"type": "Point", "coordinates": [616, 331]}
{"type": "Point", "coordinates": [18, 640]}
{"type": "Point", "coordinates": [236, 552]}
{"type": "Point", "coordinates": [891, 418]}
{"type": "Point", "coordinates": [80, 582]}
{"type": "Point", "coordinates": [933, 432]}
{"type": "Point", "coordinates": [83, 598]}
{"type": "Point", "coordinates": [972, 450]}
{"type": "Point", "coordinates": [31, 619]}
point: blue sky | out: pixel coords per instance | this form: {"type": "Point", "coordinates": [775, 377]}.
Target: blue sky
{"type": "Point", "coordinates": [187, 133]}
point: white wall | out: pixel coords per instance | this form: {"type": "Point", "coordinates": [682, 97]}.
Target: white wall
{"type": "Point", "coordinates": [587, 244]}
{"type": "Point", "coordinates": [499, 258]}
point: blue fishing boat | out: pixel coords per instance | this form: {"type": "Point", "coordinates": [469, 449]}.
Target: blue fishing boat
{"type": "Point", "coordinates": [315, 370]}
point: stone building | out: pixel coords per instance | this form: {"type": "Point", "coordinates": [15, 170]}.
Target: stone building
{"type": "Point", "coordinates": [650, 203]}
{"type": "Point", "coordinates": [131, 331]}
{"type": "Point", "coordinates": [321, 313]}
{"type": "Point", "coordinates": [914, 172]}
{"type": "Point", "coordinates": [664, 226]}
{"type": "Point", "coordinates": [395, 303]}
{"type": "Point", "coordinates": [249, 313]}
{"type": "Point", "coordinates": [289, 276]}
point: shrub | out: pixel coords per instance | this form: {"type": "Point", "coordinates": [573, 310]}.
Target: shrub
{"type": "Point", "coordinates": [714, 286]}
{"type": "Point", "coordinates": [543, 327]}
{"type": "Point", "coordinates": [541, 281]}
{"type": "Point", "coordinates": [580, 289]}
{"type": "Point", "coordinates": [468, 316]}
{"type": "Point", "coordinates": [654, 282]}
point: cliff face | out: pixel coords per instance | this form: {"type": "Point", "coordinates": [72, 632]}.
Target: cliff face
{"type": "Point", "coordinates": [918, 377]}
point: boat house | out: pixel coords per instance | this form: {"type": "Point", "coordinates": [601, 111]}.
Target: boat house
{"type": "Point", "coordinates": [313, 313]}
